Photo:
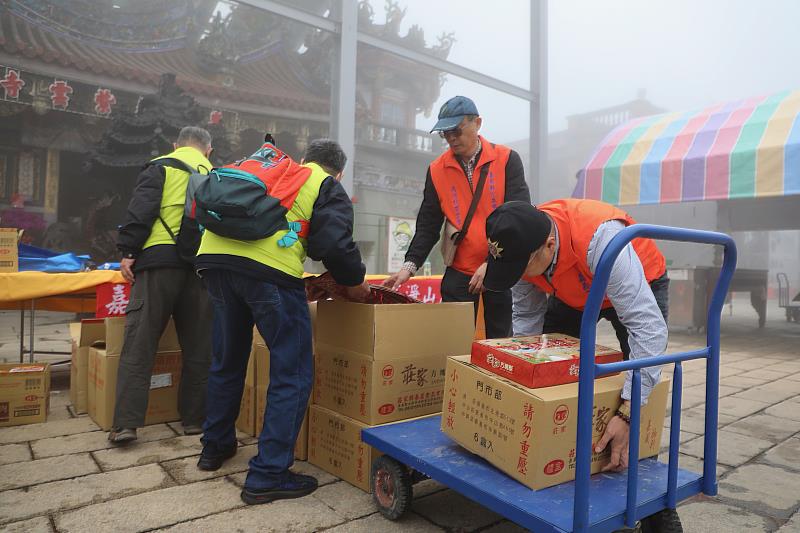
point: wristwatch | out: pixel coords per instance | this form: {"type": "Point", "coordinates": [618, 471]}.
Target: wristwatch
{"type": "Point", "coordinates": [624, 412]}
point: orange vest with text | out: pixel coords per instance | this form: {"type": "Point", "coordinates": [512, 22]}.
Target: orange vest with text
{"type": "Point", "coordinates": [577, 221]}
{"type": "Point", "coordinates": [455, 196]}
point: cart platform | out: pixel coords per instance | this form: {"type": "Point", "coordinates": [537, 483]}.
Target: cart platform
{"type": "Point", "coordinates": [421, 445]}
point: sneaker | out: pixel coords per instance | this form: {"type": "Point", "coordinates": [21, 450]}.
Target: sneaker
{"type": "Point", "coordinates": [213, 461]}
{"type": "Point", "coordinates": [122, 435]}
{"type": "Point", "coordinates": [192, 429]}
{"type": "Point", "coordinates": [293, 486]}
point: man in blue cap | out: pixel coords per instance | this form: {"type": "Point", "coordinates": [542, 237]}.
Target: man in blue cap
{"type": "Point", "coordinates": [463, 186]}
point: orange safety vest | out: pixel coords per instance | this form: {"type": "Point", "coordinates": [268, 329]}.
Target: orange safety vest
{"type": "Point", "coordinates": [577, 221]}
{"type": "Point", "coordinates": [455, 196]}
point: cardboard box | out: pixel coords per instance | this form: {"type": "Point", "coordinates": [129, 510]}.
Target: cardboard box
{"type": "Point", "coordinates": [9, 252]}
{"type": "Point", "coordinates": [162, 401]}
{"type": "Point", "coordinates": [530, 433]}
{"type": "Point", "coordinates": [377, 392]}
{"type": "Point", "coordinates": [109, 332]}
{"type": "Point", "coordinates": [388, 332]}
{"type": "Point", "coordinates": [115, 336]}
{"type": "Point", "coordinates": [83, 334]}
{"type": "Point", "coordinates": [334, 445]}
{"type": "Point", "coordinates": [538, 360]}
{"type": "Point", "coordinates": [24, 393]}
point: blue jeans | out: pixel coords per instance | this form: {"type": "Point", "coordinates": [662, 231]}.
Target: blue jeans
{"type": "Point", "coordinates": [282, 317]}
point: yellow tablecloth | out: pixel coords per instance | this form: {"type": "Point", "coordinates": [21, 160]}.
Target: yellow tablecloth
{"type": "Point", "coordinates": [54, 292]}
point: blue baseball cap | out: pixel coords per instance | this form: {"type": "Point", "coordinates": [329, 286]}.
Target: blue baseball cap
{"type": "Point", "coordinates": [453, 112]}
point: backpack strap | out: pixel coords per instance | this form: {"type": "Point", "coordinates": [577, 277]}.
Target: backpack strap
{"type": "Point", "coordinates": [176, 163]}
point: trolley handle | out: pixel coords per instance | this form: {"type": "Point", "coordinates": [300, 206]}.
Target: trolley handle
{"type": "Point", "coordinates": [588, 370]}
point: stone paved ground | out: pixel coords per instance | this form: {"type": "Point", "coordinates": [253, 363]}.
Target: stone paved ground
{"type": "Point", "coordinates": [62, 475]}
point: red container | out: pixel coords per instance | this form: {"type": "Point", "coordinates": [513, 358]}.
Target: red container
{"type": "Point", "coordinates": [536, 361]}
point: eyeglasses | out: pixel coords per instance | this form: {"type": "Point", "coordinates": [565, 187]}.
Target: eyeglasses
{"type": "Point", "coordinates": [455, 133]}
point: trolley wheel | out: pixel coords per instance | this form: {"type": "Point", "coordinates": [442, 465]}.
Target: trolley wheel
{"type": "Point", "coordinates": [666, 521]}
{"type": "Point", "coordinates": [391, 487]}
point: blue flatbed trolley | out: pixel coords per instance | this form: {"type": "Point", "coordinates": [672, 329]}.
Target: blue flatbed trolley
{"type": "Point", "coordinates": [604, 502]}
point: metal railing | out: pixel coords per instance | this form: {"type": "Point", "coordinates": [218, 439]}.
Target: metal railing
{"type": "Point", "coordinates": [589, 370]}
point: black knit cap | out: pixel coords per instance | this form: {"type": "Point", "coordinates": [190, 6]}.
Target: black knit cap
{"type": "Point", "coordinates": [514, 230]}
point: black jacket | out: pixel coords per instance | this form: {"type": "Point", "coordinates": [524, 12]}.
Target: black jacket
{"type": "Point", "coordinates": [330, 240]}
{"type": "Point", "coordinates": [143, 211]}
{"type": "Point", "coordinates": [430, 217]}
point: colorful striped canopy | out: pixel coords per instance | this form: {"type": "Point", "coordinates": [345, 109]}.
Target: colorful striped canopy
{"type": "Point", "coordinates": [744, 149]}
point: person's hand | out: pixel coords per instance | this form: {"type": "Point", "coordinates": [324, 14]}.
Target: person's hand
{"type": "Point", "coordinates": [359, 293]}
{"type": "Point", "coordinates": [476, 283]}
{"type": "Point", "coordinates": [617, 433]}
{"type": "Point", "coordinates": [398, 278]}
{"type": "Point", "coordinates": [126, 268]}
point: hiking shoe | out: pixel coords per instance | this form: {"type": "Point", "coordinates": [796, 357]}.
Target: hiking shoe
{"type": "Point", "coordinates": [192, 429]}
{"type": "Point", "coordinates": [122, 435]}
{"type": "Point", "coordinates": [213, 461]}
{"type": "Point", "coordinates": [293, 486]}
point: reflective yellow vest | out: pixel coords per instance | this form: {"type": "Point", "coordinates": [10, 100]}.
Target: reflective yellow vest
{"type": "Point", "coordinates": [266, 251]}
{"type": "Point", "coordinates": [174, 195]}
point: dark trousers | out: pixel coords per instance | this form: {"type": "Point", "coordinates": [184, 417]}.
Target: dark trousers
{"type": "Point", "coordinates": [496, 305]}
{"type": "Point", "coordinates": [282, 317]}
{"type": "Point", "coordinates": [156, 295]}
{"type": "Point", "coordinates": [561, 318]}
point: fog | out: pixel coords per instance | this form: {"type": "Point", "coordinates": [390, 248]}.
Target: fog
{"type": "Point", "coordinates": [68, 166]}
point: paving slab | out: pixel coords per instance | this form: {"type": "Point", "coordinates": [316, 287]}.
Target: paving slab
{"type": "Point", "coordinates": [785, 454]}
{"type": "Point", "coordinates": [744, 381]}
{"type": "Point", "coordinates": [740, 407]}
{"type": "Point", "coordinates": [46, 429]}
{"type": "Point", "coordinates": [772, 393]}
{"type": "Point", "coordinates": [693, 464]}
{"type": "Point", "coordinates": [764, 426]}
{"type": "Point", "coordinates": [185, 470]}
{"type": "Point", "coordinates": [300, 515]}
{"type": "Point", "coordinates": [766, 374]}
{"type": "Point", "coordinates": [427, 487]}
{"type": "Point", "coordinates": [60, 412]}
{"type": "Point", "coordinates": [40, 524]}
{"type": "Point", "coordinates": [451, 510]}
{"type": "Point", "coordinates": [137, 453]}
{"type": "Point", "coordinates": [744, 364]}
{"type": "Point", "coordinates": [733, 449]}
{"type": "Point", "coordinates": [792, 526]}
{"type": "Point", "coordinates": [93, 441]}
{"type": "Point", "coordinates": [16, 475]}
{"type": "Point", "coordinates": [76, 492]}
{"type": "Point", "coordinates": [14, 453]}
{"type": "Point", "coordinates": [347, 500]}
{"type": "Point", "coordinates": [152, 510]}
{"type": "Point", "coordinates": [789, 409]}
{"type": "Point", "coordinates": [694, 420]}
{"type": "Point", "coordinates": [505, 527]}
{"type": "Point", "coordinates": [714, 517]}
{"type": "Point", "coordinates": [770, 490]}
{"type": "Point", "coordinates": [686, 436]}
{"type": "Point", "coordinates": [409, 523]}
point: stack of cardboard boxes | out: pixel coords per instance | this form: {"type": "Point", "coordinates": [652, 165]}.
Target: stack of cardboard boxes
{"type": "Point", "coordinates": [514, 402]}
{"type": "Point", "coordinates": [96, 349]}
{"type": "Point", "coordinates": [376, 364]}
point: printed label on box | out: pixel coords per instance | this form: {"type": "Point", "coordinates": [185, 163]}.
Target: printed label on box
{"type": "Point", "coordinates": [160, 381]}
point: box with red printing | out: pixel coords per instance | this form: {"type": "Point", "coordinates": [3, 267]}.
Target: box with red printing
{"type": "Point", "coordinates": [538, 360]}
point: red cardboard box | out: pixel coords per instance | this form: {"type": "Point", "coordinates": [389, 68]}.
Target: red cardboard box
{"type": "Point", "coordinates": [538, 360]}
